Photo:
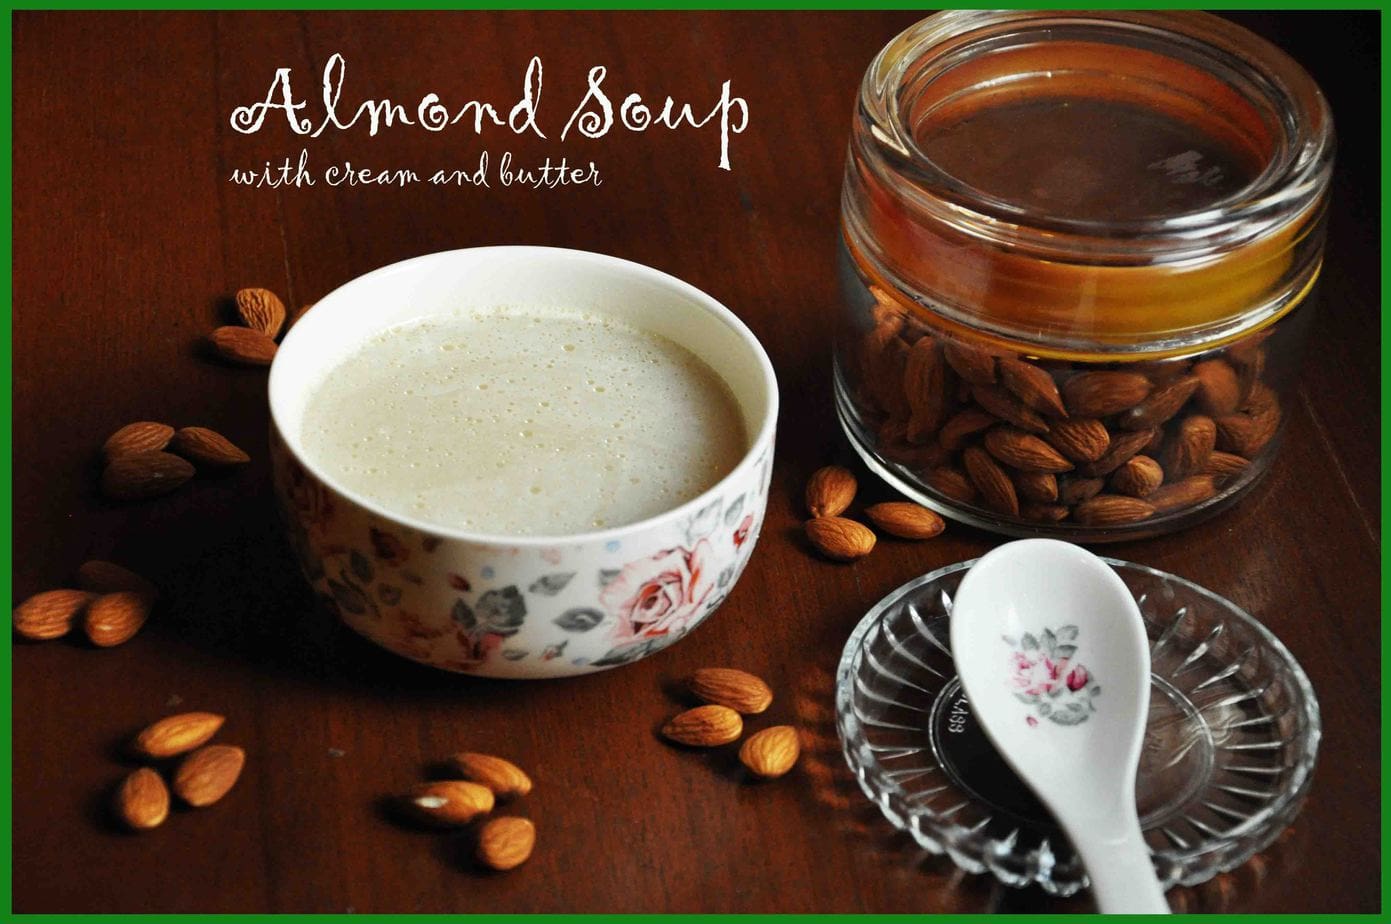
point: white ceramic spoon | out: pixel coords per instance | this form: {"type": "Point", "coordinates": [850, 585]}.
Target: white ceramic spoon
{"type": "Point", "coordinates": [1055, 664]}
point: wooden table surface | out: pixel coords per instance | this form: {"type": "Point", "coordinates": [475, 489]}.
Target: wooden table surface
{"type": "Point", "coordinates": [128, 241]}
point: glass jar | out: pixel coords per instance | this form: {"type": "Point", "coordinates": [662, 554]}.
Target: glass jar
{"type": "Point", "coordinates": [1077, 254]}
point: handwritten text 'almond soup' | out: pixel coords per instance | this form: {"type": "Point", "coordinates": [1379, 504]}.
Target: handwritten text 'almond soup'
{"type": "Point", "coordinates": [594, 116]}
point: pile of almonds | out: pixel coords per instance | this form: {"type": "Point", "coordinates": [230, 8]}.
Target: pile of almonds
{"type": "Point", "coordinates": [1050, 441]}
{"type": "Point", "coordinates": [504, 841]}
{"type": "Point", "coordinates": [830, 492]}
{"type": "Point", "coordinates": [729, 695]}
{"type": "Point", "coordinates": [139, 467]}
{"type": "Point", "coordinates": [206, 773]}
{"type": "Point", "coordinates": [251, 343]}
{"type": "Point", "coordinates": [112, 605]}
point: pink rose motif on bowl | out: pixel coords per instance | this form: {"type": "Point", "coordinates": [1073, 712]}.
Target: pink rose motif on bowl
{"type": "Point", "coordinates": [659, 595]}
{"type": "Point", "coordinates": [1043, 673]}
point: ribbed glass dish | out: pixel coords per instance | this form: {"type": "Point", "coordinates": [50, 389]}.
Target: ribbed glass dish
{"type": "Point", "coordinates": [1229, 752]}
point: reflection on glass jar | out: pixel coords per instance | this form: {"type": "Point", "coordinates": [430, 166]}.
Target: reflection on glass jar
{"type": "Point", "coordinates": [1076, 264]}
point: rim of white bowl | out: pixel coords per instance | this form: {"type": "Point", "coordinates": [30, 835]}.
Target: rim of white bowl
{"type": "Point", "coordinates": [702, 299]}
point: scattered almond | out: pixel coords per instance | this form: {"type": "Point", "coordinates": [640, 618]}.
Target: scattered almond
{"type": "Point", "coordinates": [143, 475]}
{"type": "Point", "coordinates": [1100, 394]}
{"type": "Point", "coordinates": [207, 447]}
{"type": "Point", "coordinates": [448, 803]}
{"type": "Point", "coordinates": [906, 520]}
{"type": "Point", "coordinates": [504, 778]}
{"type": "Point", "coordinates": [49, 614]}
{"type": "Point", "coordinates": [113, 619]}
{"type": "Point", "coordinates": [243, 345]}
{"type": "Point", "coordinates": [505, 843]}
{"type": "Point", "coordinates": [725, 686]}
{"type": "Point", "coordinates": [1137, 477]}
{"type": "Point", "coordinates": [176, 734]}
{"type": "Point", "coordinates": [840, 539]}
{"type": "Point", "coordinates": [830, 491]}
{"type": "Point", "coordinates": [142, 800]}
{"type": "Point", "coordinates": [104, 577]}
{"type": "Point", "coordinates": [206, 775]}
{"type": "Point", "coordinates": [772, 752]}
{"type": "Point", "coordinates": [141, 436]}
{"type": "Point", "coordinates": [1111, 510]}
{"type": "Point", "coordinates": [704, 726]}
{"type": "Point", "coordinates": [1024, 451]}
{"type": "Point", "coordinates": [261, 310]}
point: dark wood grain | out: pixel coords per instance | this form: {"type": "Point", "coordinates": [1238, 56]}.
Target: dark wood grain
{"type": "Point", "coordinates": [128, 240]}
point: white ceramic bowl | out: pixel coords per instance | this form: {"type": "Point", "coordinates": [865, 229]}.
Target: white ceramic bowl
{"type": "Point", "coordinates": [520, 606]}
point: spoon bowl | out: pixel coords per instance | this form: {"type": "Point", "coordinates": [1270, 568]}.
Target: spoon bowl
{"type": "Point", "coordinates": [1055, 663]}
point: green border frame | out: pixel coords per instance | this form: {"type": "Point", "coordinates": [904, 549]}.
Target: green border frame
{"type": "Point", "coordinates": [6, 373]}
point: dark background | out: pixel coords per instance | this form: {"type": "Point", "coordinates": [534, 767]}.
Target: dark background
{"type": "Point", "coordinates": [128, 241]}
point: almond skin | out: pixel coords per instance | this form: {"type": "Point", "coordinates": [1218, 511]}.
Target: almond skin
{"type": "Point", "coordinates": [906, 520]}
{"type": "Point", "coordinates": [1187, 450]}
{"type": "Point", "coordinates": [1007, 407]}
{"type": "Point", "coordinates": [952, 483]}
{"type": "Point", "coordinates": [261, 310]}
{"type": "Point", "coordinates": [963, 425]}
{"type": "Point", "coordinates": [1044, 513]}
{"type": "Point", "coordinates": [176, 734]}
{"type": "Point", "coordinates": [1033, 386]}
{"type": "Point", "coordinates": [1024, 451]}
{"type": "Point", "coordinates": [925, 384]}
{"type": "Point", "coordinates": [49, 614]}
{"type": "Point", "coordinates": [996, 490]}
{"type": "Point", "coordinates": [1124, 446]}
{"type": "Point", "coordinates": [840, 539]}
{"type": "Point", "coordinates": [1137, 477]}
{"type": "Point", "coordinates": [1247, 434]}
{"type": "Point", "coordinates": [141, 436]}
{"type": "Point", "coordinates": [143, 475]}
{"type": "Point", "coordinates": [725, 686]}
{"type": "Point", "coordinates": [207, 447]}
{"type": "Point", "coordinates": [1101, 394]}
{"type": "Point", "coordinates": [448, 803]}
{"type": "Point", "coordinates": [704, 726]}
{"type": "Point", "coordinates": [113, 619]}
{"type": "Point", "coordinates": [1036, 487]}
{"type": "Point", "coordinates": [1081, 439]}
{"type": "Point", "coordinates": [1162, 404]}
{"type": "Point", "coordinates": [1219, 389]}
{"type": "Point", "coordinates": [1111, 510]}
{"type": "Point", "coordinates": [142, 800]}
{"type": "Point", "coordinates": [506, 843]}
{"type": "Point", "coordinates": [1224, 465]}
{"type": "Point", "coordinates": [1185, 493]}
{"type": "Point", "coordinates": [243, 345]}
{"type": "Point", "coordinates": [772, 752]}
{"type": "Point", "coordinates": [504, 778]}
{"type": "Point", "coordinates": [971, 364]}
{"type": "Point", "coordinates": [104, 577]}
{"type": "Point", "coordinates": [1073, 491]}
{"type": "Point", "coordinates": [206, 775]}
{"type": "Point", "coordinates": [830, 491]}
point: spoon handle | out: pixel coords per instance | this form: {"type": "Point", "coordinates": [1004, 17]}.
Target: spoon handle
{"type": "Point", "coordinates": [1122, 873]}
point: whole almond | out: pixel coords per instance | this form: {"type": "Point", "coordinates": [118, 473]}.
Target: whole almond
{"type": "Point", "coordinates": [1007, 407]}
{"type": "Point", "coordinates": [105, 577]}
{"type": "Point", "coordinates": [883, 362]}
{"type": "Point", "coordinates": [505, 843]}
{"type": "Point", "coordinates": [1192, 490]}
{"type": "Point", "coordinates": [142, 800]}
{"type": "Point", "coordinates": [448, 803]}
{"type": "Point", "coordinates": [704, 726]}
{"type": "Point", "coordinates": [113, 619]}
{"type": "Point", "coordinates": [963, 425]}
{"type": "Point", "coordinates": [176, 734]}
{"type": "Point", "coordinates": [1111, 510]}
{"type": "Point", "coordinates": [143, 475]}
{"type": "Point", "coordinates": [141, 436]}
{"type": "Point", "coordinates": [207, 447]}
{"type": "Point", "coordinates": [1073, 490]}
{"type": "Point", "coordinates": [905, 520]}
{"type": "Point", "coordinates": [952, 483]}
{"type": "Point", "coordinates": [830, 491]}
{"type": "Point", "coordinates": [1223, 465]}
{"type": "Point", "coordinates": [1024, 451]}
{"type": "Point", "coordinates": [1033, 386]}
{"type": "Point", "coordinates": [1100, 394]}
{"type": "Point", "coordinates": [1188, 447]}
{"type": "Point", "coordinates": [1044, 513]}
{"type": "Point", "coordinates": [207, 774]}
{"type": "Point", "coordinates": [1124, 445]}
{"type": "Point", "coordinates": [504, 778]}
{"type": "Point", "coordinates": [49, 614]}
{"type": "Point", "coordinates": [840, 539]}
{"type": "Point", "coordinates": [261, 310]}
{"type": "Point", "coordinates": [1081, 439]}
{"type": "Point", "coordinates": [1036, 487]}
{"type": "Point", "coordinates": [726, 686]}
{"type": "Point", "coordinates": [975, 366]}
{"type": "Point", "coordinates": [925, 384]}
{"type": "Point", "coordinates": [243, 345]}
{"type": "Point", "coordinates": [1137, 477]}
{"type": "Point", "coordinates": [1219, 389]}
{"type": "Point", "coordinates": [772, 752]}
{"type": "Point", "coordinates": [996, 490]}
{"type": "Point", "coordinates": [1247, 434]}
{"type": "Point", "coordinates": [1162, 404]}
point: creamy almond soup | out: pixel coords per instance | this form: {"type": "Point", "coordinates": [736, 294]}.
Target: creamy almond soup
{"type": "Point", "coordinates": [524, 422]}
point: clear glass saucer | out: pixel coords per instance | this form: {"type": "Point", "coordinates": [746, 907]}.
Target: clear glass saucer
{"type": "Point", "coordinates": [1229, 752]}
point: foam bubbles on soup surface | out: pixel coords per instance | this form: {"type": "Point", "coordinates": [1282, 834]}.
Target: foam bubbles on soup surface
{"type": "Point", "coordinates": [524, 422]}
